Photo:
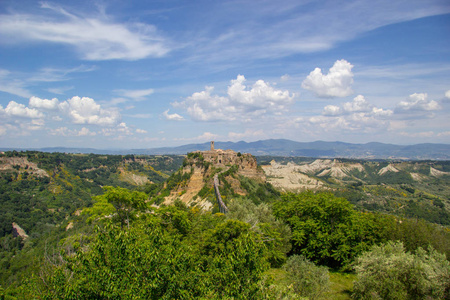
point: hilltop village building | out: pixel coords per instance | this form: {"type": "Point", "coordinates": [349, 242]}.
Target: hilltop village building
{"type": "Point", "coordinates": [226, 158]}
{"type": "Point", "coordinates": [221, 157]}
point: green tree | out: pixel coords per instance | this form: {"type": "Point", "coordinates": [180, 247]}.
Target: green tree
{"type": "Point", "coordinates": [168, 254]}
{"type": "Point", "coordinates": [123, 202]}
{"type": "Point", "coordinates": [326, 229]}
{"type": "Point", "coordinates": [234, 261]}
{"type": "Point", "coordinates": [389, 272]}
{"type": "Point", "coordinates": [275, 234]}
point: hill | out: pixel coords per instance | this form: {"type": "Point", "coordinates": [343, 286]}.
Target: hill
{"type": "Point", "coordinates": [282, 147]}
{"type": "Point", "coordinates": [238, 175]}
{"type": "Point", "coordinates": [39, 190]}
{"type": "Point", "coordinates": [419, 189]}
{"type": "Point", "coordinates": [52, 207]}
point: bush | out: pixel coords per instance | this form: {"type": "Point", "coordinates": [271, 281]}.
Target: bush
{"type": "Point", "coordinates": [306, 278]}
{"type": "Point", "coordinates": [388, 272]}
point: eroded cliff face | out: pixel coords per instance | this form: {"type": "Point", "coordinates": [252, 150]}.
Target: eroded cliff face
{"type": "Point", "coordinates": [203, 165]}
{"type": "Point", "coordinates": [18, 231]}
{"type": "Point", "coordinates": [21, 164]}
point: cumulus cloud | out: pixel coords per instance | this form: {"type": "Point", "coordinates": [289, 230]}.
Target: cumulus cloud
{"type": "Point", "coordinates": [172, 117]}
{"type": "Point", "coordinates": [358, 105]}
{"type": "Point", "coordinates": [86, 132]}
{"type": "Point", "coordinates": [90, 36]}
{"type": "Point", "coordinates": [358, 115]}
{"type": "Point", "coordinates": [141, 131]}
{"type": "Point", "coordinates": [337, 83]}
{"type": "Point", "coordinates": [207, 136]}
{"type": "Point", "coordinates": [241, 102]}
{"type": "Point", "coordinates": [19, 119]}
{"type": "Point", "coordinates": [86, 111]}
{"type": "Point", "coordinates": [332, 110]}
{"type": "Point", "coordinates": [14, 109]}
{"type": "Point", "coordinates": [447, 94]}
{"type": "Point", "coordinates": [36, 102]}
{"type": "Point", "coordinates": [417, 102]}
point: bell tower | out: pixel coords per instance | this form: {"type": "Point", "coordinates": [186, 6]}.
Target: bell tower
{"type": "Point", "coordinates": [212, 145]}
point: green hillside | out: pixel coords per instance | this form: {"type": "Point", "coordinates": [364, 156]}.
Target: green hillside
{"type": "Point", "coordinates": [98, 228]}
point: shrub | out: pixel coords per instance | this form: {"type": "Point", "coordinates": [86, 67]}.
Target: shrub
{"type": "Point", "coordinates": [388, 272]}
{"type": "Point", "coordinates": [307, 279]}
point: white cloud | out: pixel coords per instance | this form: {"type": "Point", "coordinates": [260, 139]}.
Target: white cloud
{"type": "Point", "coordinates": [417, 102]}
{"type": "Point", "coordinates": [379, 112]}
{"type": "Point", "coordinates": [447, 94]}
{"type": "Point", "coordinates": [140, 116]}
{"type": "Point", "coordinates": [58, 74]}
{"type": "Point", "coordinates": [296, 26]}
{"type": "Point", "coordinates": [86, 132]}
{"type": "Point", "coordinates": [358, 115]}
{"type": "Point", "coordinates": [423, 134]}
{"type": "Point", "coordinates": [15, 109]}
{"type": "Point", "coordinates": [36, 102]}
{"type": "Point", "coordinates": [2, 130]}
{"type": "Point", "coordinates": [118, 132]}
{"type": "Point", "coordinates": [64, 131]}
{"type": "Point", "coordinates": [172, 117]}
{"type": "Point", "coordinates": [60, 90]}
{"type": "Point", "coordinates": [10, 85]}
{"type": "Point", "coordinates": [358, 105]}
{"type": "Point", "coordinates": [137, 95]}
{"type": "Point", "coordinates": [207, 136]}
{"type": "Point", "coordinates": [95, 38]}
{"type": "Point", "coordinates": [444, 133]}
{"type": "Point", "coordinates": [241, 102]}
{"type": "Point", "coordinates": [202, 106]}
{"type": "Point", "coordinates": [141, 131]}
{"type": "Point", "coordinates": [247, 134]}
{"type": "Point", "coordinates": [285, 77]}
{"type": "Point", "coordinates": [332, 110]}
{"type": "Point", "coordinates": [86, 111]}
{"type": "Point", "coordinates": [16, 83]}
{"type": "Point", "coordinates": [337, 83]}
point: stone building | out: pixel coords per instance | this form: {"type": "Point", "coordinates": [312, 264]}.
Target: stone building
{"type": "Point", "coordinates": [226, 158]}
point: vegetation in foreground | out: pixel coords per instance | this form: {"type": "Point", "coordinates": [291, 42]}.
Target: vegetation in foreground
{"type": "Point", "coordinates": [123, 248]}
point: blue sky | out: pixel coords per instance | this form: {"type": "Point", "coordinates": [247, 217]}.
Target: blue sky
{"type": "Point", "coordinates": [143, 74]}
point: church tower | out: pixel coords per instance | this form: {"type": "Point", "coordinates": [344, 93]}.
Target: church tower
{"type": "Point", "coordinates": [212, 145]}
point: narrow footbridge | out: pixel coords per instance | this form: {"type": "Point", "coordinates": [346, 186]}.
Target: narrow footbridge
{"type": "Point", "coordinates": [222, 207]}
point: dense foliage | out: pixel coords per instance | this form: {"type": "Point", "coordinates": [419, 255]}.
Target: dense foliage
{"type": "Point", "coordinates": [89, 242]}
{"type": "Point", "coordinates": [389, 272]}
{"type": "Point", "coordinates": [306, 278]}
{"type": "Point", "coordinates": [326, 229]}
{"type": "Point", "coordinates": [45, 192]}
{"type": "Point", "coordinates": [173, 253]}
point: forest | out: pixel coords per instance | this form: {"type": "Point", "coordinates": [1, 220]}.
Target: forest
{"type": "Point", "coordinates": [98, 229]}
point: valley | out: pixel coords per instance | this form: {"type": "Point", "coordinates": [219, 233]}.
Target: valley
{"type": "Point", "coordinates": [54, 201]}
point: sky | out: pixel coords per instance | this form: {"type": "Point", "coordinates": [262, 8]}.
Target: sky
{"type": "Point", "coordinates": [143, 74]}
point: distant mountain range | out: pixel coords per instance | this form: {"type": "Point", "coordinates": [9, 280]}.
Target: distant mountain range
{"type": "Point", "coordinates": [282, 147]}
